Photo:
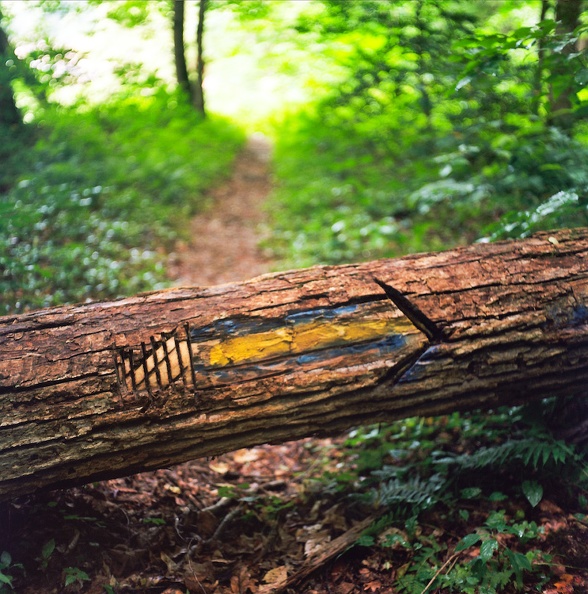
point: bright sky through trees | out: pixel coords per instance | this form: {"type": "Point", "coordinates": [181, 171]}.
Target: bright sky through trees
{"type": "Point", "coordinates": [250, 72]}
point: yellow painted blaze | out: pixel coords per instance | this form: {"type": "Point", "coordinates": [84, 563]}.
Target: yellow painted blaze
{"type": "Point", "coordinates": [252, 347]}
{"type": "Point", "coordinates": [304, 338]}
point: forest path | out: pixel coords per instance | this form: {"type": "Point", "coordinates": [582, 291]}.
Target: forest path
{"type": "Point", "coordinates": [224, 238]}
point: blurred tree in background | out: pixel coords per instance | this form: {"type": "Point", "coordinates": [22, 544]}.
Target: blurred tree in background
{"type": "Point", "coordinates": [93, 192]}
{"type": "Point", "coordinates": [562, 96]}
{"type": "Point", "coordinates": [9, 114]}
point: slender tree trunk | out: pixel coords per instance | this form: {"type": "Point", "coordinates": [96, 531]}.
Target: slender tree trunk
{"type": "Point", "coordinates": [9, 113]}
{"type": "Point", "coordinates": [199, 85]}
{"type": "Point", "coordinates": [538, 83]}
{"type": "Point", "coordinates": [107, 389]}
{"type": "Point", "coordinates": [567, 15]}
{"type": "Point", "coordinates": [180, 48]}
{"type": "Point", "coordinates": [425, 99]}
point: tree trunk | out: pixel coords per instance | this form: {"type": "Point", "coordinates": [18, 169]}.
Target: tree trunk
{"type": "Point", "coordinates": [567, 15]}
{"type": "Point", "coordinates": [180, 49]}
{"type": "Point", "coordinates": [9, 113]}
{"type": "Point", "coordinates": [106, 389]}
{"type": "Point", "coordinates": [538, 78]}
{"type": "Point", "coordinates": [199, 86]}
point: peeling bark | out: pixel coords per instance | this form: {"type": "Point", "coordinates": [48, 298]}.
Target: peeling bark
{"type": "Point", "coordinates": [107, 389]}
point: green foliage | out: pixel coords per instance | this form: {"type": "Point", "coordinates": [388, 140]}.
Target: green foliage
{"type": "Point", "coordinates": [100, 195]}
{"type": "Point", "coordinates": [495, 566]}
{"type": "Point", "coordinates": [7, 568]}
{"type": "Point", "coordinates": [130, 13]}
{"type": "Point", "coordinates": [72, 575]}
{"type": "Point", "coordinates": [154, 521]}
{"type": "Point", "coordinates": [537, 449]}
{"type": "Point", "coordinates": [411, 473]}
{"type": "Point", "coordinates": [416, 151]}
{"type": "Point", "coordinates": [46, 552]}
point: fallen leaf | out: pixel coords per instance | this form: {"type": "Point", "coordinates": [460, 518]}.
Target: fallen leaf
{"type": "Point", "coordinates": [220, 467]}
{"type": "Point", "coordinates": [548, 507]}
{"type": "Point", "coordinates": [247, 455]}
{"type": "Point", "coordinates": [276, 575]}
{"type": "Point", "coordinates": [242, 582]}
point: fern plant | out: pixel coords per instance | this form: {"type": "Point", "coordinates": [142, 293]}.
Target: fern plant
{"type": "Point", "coordinates": [534, 451]}
{"type": "Point", "coordinates": [425, 485]}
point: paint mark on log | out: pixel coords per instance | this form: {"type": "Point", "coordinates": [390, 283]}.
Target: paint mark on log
{"type": "Point", "coordinates": [304, 338]}
{"type": "Point", "coordinates": [322, 341]}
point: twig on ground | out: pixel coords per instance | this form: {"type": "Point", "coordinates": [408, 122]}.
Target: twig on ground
{"type": "Point", "coordinates": [452, 560]}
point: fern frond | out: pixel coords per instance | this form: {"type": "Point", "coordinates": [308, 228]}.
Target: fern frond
{"type": "Point", "coordinates": [535, 451]}
{"type": "Point", "coordinates": [416, 492]}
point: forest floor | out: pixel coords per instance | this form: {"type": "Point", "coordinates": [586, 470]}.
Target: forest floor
{"type": "Point", "coordinates": [254, 521]}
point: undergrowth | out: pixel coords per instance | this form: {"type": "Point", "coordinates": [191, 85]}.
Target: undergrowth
{"type": "Point", "coordinates": [90, 206]}
{"type": "Point", "coordinates": [458, 498]}
{"type": "Point", "coordinates": [371, 199]}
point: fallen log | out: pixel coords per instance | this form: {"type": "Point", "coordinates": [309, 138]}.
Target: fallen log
{"type": "Point", "coordinates": [108, 389]}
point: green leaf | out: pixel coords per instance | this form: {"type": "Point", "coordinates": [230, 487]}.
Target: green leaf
{"type": "Point", "coordinates": [522, 33]}
{"type": "Point", "coordinates": [48, 549]}
{"type": "Point", "coordinates": [5, 559]}
{"type": "Point", "coordinates": [74, 574]}
{"type": "Point", "coordinates": [497, 496]}
{"type": "Point", "coordinates": [467, 541]}
{"type": "Point", "coordinates": [487, 549]}
{"type": "Point", "coordinates": [582, 76]}
{"type": "Point", "coordinates": [533, 491]}
{"type": "Point", "coordinates": [365, 541]}
{"type": "Point", "coordinates": [471, 492]}
{"type": "Point", "coordinates": [5, 579]}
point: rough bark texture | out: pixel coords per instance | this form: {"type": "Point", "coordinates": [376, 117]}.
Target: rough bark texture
{"type": "Point", "coordinates": [106, 389]}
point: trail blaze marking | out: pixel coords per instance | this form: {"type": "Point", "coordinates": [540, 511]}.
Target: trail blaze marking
{"type": "Point", "coordinates": [240, 349]}
{"type": "Point", "coordinates": [301, 338]}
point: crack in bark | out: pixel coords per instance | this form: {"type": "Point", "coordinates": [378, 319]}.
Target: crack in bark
{"type": "Point", "coordinates": [47, 384]}
{"type": "Point", "coordinates": [413, 313]}
{"type": "Point", "coordinates": [421, 321]}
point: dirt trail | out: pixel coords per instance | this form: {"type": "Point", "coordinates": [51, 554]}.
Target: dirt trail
{"type": "Point", "coordinates": [224, 245]}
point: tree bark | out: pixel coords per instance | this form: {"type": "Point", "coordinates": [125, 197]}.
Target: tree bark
{"type": "Point", "coordinates": [180, 48]}
{"type": "Point", "coordinates": [199, 86]}
{"type": "Point", "coordinates": [106, 389]}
